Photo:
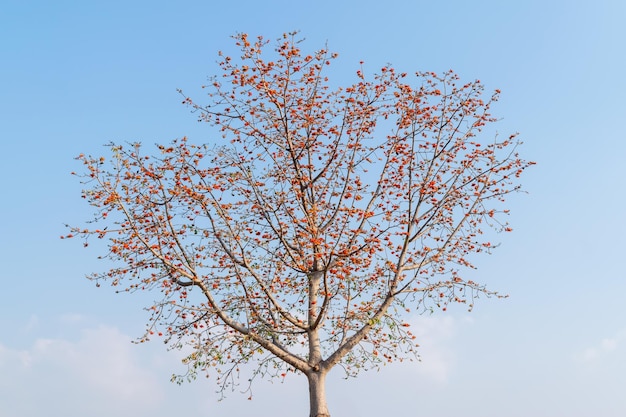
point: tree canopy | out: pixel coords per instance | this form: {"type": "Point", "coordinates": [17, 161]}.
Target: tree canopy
{"type": "Point", "coordinates": [302, 234]}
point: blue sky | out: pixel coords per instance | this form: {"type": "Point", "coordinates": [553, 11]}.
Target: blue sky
{"type": "Point", "coordinates": [76, 75]}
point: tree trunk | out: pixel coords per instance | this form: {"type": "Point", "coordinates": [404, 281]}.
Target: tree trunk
{"type": "Point", "coordinates": [317, 393]}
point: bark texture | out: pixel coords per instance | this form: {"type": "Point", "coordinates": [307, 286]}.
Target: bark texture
{"type": "Point", "coordinates": [317, 393]}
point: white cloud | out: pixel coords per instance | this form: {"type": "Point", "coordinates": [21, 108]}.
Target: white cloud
{"type": "Point", "coordinates": [94, 370]}
{"type": "Point", "coordinates": [436, 358]}
{"type": "Point", "coordinates": [609, 344]}
{"type": "Point", "coordinates": [69, 378]}
{"type": "Point", "coordinates": [435, 335]}
{"type": "Point", "coordinates": [601, 349]}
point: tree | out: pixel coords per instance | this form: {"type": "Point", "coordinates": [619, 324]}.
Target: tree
{"type": "Point", "coordinates": [300, 239]}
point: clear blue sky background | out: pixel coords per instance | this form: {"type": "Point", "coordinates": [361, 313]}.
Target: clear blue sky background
{"type": "Point", "coordinates": [77, 74]}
